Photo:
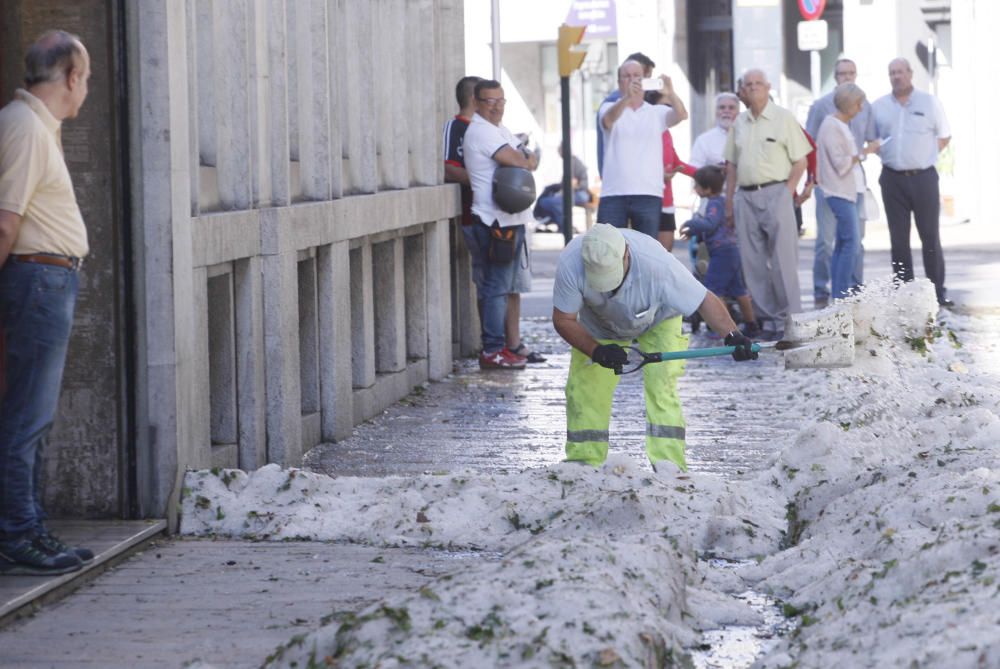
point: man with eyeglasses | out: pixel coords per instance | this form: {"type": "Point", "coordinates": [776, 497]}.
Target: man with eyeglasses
{"type": "Point", "coordinates": [488, 145]}
{"type": "Point", "coordinates": [862, 127]}
{"type": "Point", "coordinates": [632, 187]}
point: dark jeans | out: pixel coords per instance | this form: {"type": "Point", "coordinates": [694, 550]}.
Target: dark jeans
{"type": "Point", "coordinates": [494, 285]}
{"type": "Point", "coordinates": [916, 194]}
{"type": "Point", "coordinates": [36, 313]}
{"type": "Point", "coordinates": [552, 205]}
{"type": "Point", "coordinates": [643, 211]}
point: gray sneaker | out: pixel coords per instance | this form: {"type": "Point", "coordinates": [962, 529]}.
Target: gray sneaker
{"type": "Point", "coordinates": [31, 555]}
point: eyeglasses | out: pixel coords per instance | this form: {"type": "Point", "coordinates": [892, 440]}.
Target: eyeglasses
{"type": "Point", "coordinates": [493, 102]}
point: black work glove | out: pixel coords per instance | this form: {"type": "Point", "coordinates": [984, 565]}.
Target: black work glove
{"type": "Point", "coordinates": [611, 356]}
{"type": "Point", "coordinates": [743, 346]}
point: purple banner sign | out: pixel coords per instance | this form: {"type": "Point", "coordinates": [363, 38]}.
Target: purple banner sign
{"type": "Point", "coordinates": [598, 15]}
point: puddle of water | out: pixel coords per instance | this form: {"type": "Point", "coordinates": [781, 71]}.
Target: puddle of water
{"type": "Point", "coordinates": [737, 646]}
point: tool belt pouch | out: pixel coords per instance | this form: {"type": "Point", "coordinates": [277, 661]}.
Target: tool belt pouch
{"type": "Point", "coordinates": [502, 248]}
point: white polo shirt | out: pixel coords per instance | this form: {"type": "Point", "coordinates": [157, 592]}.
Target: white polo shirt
{"type": "Point", "coordinates": [482, 141]}
{"type": "Point", "coordinates": [633, 150]}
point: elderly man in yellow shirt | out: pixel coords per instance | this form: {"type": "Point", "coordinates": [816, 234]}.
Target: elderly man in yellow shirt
{"type": "Point", "coordinates": [42, 242]}
{"type": "Point", "coordinates": [765, 158]}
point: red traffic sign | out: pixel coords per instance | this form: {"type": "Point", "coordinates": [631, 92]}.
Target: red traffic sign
{"type": "Point", "coordinates": [811, 9]}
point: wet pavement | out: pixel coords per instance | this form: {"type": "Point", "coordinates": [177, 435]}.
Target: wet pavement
{"type": "Point", "coordinates": [508, 420]}
{"type": "Point", "coordinates": [230, 602]}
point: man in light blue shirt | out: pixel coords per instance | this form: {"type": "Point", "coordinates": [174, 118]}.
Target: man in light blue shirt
{"type": "Point", "coordinates": [913, 131]}
{"type": "Point", "coordinates": [863, 128]}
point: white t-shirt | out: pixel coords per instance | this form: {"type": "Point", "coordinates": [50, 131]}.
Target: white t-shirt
{"type": "Point", "coordinates": [657, 287]}
{"type": "Point", "coordinates": [633, 150]}
{"type": "Point", "coordinates": [482, 141]}
{"type": "Point", "coordinates": [709, 148]}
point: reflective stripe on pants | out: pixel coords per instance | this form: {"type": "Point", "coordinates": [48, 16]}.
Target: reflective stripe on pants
{"type": "Point", "coordinates": [590, 388]}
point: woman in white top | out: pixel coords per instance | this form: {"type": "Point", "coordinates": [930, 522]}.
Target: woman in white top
{"type": "Point", "coordinates": [838, 172]}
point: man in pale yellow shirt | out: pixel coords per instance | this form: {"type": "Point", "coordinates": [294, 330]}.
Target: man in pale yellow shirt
{"type": "Point", "coordinates": [765, 158]}
{"type": "Point", "coordinates": [42, 242]}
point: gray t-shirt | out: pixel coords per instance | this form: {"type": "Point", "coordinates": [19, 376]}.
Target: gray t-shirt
{"type": "Point", "coordinates": [657, 287]}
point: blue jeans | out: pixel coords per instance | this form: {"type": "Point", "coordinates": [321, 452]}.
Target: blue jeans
{"type": "Point", "coordinates": [494, 285]}
{"type": "Point", "coordinates": [826, 228]}
{"type": "Point", "coordinates": [642, 210]}
{"type": "Point", "coordinates": [552, 205]}
{"type": "Point", "coordinates": [36, 313]}
{"type": "Point", "coordinates": [845, 250]}
{"type": "Point", "coordinates": [826, 235]}
{"type": "Point", "coordinates": [469, 232]}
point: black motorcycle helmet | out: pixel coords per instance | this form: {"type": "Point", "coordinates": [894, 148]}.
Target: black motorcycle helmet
{"type": "Point", "coordinates": [513, 189]}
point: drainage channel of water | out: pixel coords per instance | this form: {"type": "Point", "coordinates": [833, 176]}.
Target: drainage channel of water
{"type": "Point", "coordinates": [738, 646]}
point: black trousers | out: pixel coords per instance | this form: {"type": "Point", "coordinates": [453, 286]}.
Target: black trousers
{"type": "Point", "coordinates": [904, 194]}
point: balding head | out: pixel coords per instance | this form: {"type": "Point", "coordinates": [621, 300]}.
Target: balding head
{"type": "Point", "coordinates": [629, 66]}
{"type": "Point", "coordinates": [900, 77]}
{"type": "Point", "coordinates": [52, 57]}
{"type": "Point", "coordinates": [629, 72]}
{"type": "Point", "coordinates": [56, 70]}
{"type": "Point", "coordinates": [900, 62]}
{"type": "Point", "coordinates": [756, 88]}
{"type": "Point", "coordinates": [757, 74]}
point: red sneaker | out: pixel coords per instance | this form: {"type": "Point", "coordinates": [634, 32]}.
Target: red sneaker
{"type": "Point", "coordinates": [502, 359]}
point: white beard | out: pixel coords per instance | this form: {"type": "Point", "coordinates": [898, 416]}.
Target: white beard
{"type": "Point", "coordinates": [724, 123]}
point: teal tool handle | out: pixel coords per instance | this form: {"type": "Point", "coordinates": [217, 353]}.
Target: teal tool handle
{"type": "Point", "coordinates": [703, 352]}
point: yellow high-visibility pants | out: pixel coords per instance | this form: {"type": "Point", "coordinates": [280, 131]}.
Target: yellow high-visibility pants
{"type": "Point", "coordinates": [590, 388]}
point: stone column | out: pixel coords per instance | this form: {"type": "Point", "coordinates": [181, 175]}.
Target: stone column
{"type": "Point", "coordinates": [312, 98]}
{"type": "Point", "coordinates": [250, 362]}
{"type": "Point", "coordinates": [281, 341]}
{"type": "Point", "coordinates": [161, 185]}
{"type": "Point", "coordinates": [232, 108]}
{"type": "Point", "coordinates": [390, 319]}
{"type": "Point", "coordinates": [439, 357]}
{"type": "Point", "coordinates": [336, 340]}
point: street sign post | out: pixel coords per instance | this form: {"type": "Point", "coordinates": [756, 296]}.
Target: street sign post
{"type": "Point", "coordinates": [570, 58]}
{"type": "Point", "coordinates": [812, 35]}
{"type": "Point", "coordinates": [811, 9]}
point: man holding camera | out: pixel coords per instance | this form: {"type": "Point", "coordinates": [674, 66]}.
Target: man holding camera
{"type": "Point", "coordinates": [489, 145]}
{"type": "Point", "coordinates": [632, 188]}
{"type": "Point", "coordinates": [612, 287]}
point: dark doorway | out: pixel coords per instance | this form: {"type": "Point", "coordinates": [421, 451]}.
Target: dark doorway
{"type": "Point", "coordinates": [710, 58]}
{"type": "Point", "coordinates": [88, 454]}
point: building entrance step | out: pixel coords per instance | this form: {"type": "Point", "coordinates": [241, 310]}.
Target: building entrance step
{"type": "Point", "coordinates": [111, 541]}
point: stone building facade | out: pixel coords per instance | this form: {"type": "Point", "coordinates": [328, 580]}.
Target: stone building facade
{"type": "Point", "coordinates": [275, 259]}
